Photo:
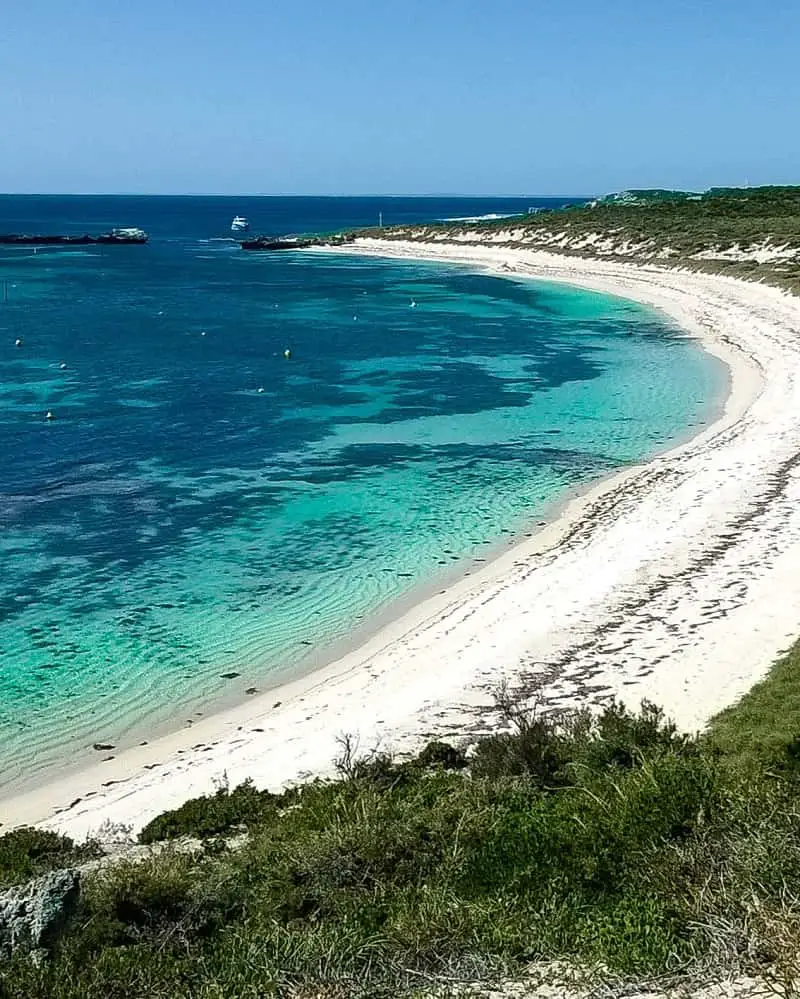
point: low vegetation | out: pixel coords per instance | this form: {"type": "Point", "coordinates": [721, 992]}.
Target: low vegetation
{"type": "Point", "coordinates": [612, 839]}
{"type": "Point", "coordinates": [763, 729]}
{"type": "Point", "coordinates": [214, 814]}
{"type": "Point", "coordinates": [747, 232]}
{"type": "Point", "coordinates": [26, 853]}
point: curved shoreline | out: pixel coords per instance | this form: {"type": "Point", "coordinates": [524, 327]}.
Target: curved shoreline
{"type": "Point", "coordinates": [672, 580]}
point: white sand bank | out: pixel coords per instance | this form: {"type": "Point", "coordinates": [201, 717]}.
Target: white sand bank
{"type": "Point", "coordinates": [676, 581]}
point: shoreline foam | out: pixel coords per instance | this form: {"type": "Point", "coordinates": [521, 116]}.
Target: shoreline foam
{"type": "Point", "coordinates": [671, 580]}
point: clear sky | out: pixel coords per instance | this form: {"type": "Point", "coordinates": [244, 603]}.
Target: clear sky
{"type": "Point", "coordinates": [397, 96]}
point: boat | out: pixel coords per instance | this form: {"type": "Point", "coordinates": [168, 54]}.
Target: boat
{"type": "Point", "coordinates": [240, 224]}
{"type": "Point", "coordinates": [130, 234]}
{"type": "Point", "coordinates": [114, 236]}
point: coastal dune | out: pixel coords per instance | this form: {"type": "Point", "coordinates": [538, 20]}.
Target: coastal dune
{"type": "Point", "coordinates": [674, 581]}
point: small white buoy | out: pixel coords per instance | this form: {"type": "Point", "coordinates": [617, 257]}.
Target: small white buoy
{"type": "Point", "coordinates": [354, 318]}
{"type": "Point", "coordinates": [48, 415]}
{"type": "Point", "coordinates": [18, 342]}
{"type": "Point", "coordinates": [202, 332]}
{"type": "Point", "coordinates": [287, 353]}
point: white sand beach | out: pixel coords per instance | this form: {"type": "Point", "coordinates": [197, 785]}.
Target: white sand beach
{"type": "Point", "coordinates": [675, 581]}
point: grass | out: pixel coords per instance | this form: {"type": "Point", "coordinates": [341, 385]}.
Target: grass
{"type": "Point", "coordinates": [613, 839]}
{"type": "Point", "coordinates": [763, 729]}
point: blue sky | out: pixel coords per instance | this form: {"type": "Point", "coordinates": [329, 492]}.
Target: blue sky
{"type": "Point", "coordinates": [380, 96]}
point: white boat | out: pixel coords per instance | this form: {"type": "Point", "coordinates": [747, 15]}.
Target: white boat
{"type": "Point", "coordinates": [240, 224]}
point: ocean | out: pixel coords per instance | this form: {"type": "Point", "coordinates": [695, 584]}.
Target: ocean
{"type": "Point", "coordinates": [202, 516]}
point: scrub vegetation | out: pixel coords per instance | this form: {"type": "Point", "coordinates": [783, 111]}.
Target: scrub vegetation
{"type": "Point", "coordinates": [611, 839]}
{"type": "Point", "coordinates": [744, 232]}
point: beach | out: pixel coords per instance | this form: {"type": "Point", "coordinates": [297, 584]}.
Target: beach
{"type": "Point", "coordinates": [673, 581]}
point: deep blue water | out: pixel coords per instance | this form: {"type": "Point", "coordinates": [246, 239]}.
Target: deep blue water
{"type": "Point", "coordinates": [180, 218]}
{"type": "Point", "coordinates": [198, 505]}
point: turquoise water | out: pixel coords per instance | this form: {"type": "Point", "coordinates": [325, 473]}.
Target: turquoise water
{"type": "Point", "coordinates": [201, 513]}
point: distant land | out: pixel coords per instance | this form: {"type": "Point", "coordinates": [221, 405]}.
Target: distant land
{"type": "Point", "coordinates": [744, 232]}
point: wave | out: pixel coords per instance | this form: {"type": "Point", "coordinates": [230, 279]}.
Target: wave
{"type": "Point", "coordinates": [480, 218]}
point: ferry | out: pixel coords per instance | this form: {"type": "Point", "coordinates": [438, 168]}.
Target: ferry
{"type": "Point", "coordinates": [240, 224]}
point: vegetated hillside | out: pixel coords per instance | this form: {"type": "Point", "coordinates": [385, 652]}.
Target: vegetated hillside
{"type": "Point", "coordinates": [748, 232]}
{"type": "Point", "coordinates": [614, 840]}
{"type": "Point", "coordinates": [645, 196]}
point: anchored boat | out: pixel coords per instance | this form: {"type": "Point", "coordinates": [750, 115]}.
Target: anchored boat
{"type": "Point", "coordinates": [114, 236]}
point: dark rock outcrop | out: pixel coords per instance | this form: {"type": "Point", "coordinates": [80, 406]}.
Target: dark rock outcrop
{"type": "Point", "coordinates": [294, 242]}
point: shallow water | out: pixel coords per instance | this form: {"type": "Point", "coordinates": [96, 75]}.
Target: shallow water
{"type": "Point", "coordinates": [199, 505]}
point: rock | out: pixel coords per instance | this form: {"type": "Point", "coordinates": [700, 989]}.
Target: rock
{"type": "Point", "coordinates": [33, 915]}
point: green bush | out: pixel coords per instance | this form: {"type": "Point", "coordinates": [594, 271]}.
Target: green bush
{"type": "Point", "coordinates": [211, 815]}
{"type": "Point", "coordinates": [27, 852]}
{"type": "Point", "coordinates": [608, 839]}
{"type": "Point", "coordinates": [545, 748]}
{"type": "Point", "coordinates": [442, 756]}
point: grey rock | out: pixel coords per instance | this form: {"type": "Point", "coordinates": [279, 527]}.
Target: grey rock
{"type": "Point", "coordinates": [33, 915]}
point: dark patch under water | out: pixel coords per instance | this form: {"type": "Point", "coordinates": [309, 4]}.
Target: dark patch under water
{"type": "Point", "coordinates": [200, 506]}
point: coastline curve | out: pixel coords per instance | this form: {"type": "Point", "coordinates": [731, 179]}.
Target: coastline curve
{"type": "Point", "coordinates": [673, 580]}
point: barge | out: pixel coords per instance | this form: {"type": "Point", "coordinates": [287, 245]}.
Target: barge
{"type": "Point", "coordinates": [115, 236]}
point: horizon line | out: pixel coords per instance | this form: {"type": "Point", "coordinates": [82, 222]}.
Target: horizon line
{"type": "Point", "coordinates": [241, 194]}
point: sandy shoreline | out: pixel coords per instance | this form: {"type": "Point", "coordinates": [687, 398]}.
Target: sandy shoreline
{"type": "Point", "coordinates": [674, 580]}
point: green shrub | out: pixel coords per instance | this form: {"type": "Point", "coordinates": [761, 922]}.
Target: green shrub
{"type": "Point", "coordinates": [27, 852]}
{"type": "Point", "coordinates": [171, 898]}
{"type": "Point", "coordinates": [545, 747]}
{"type": "Point", "coordinates": [618, 737]}
{"type": "Point", "coordinates": [609, 838]}
{"type": "Point", "coordinates": [441, 755]}
{"type": "Point", "coordinates": [211, 815]}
